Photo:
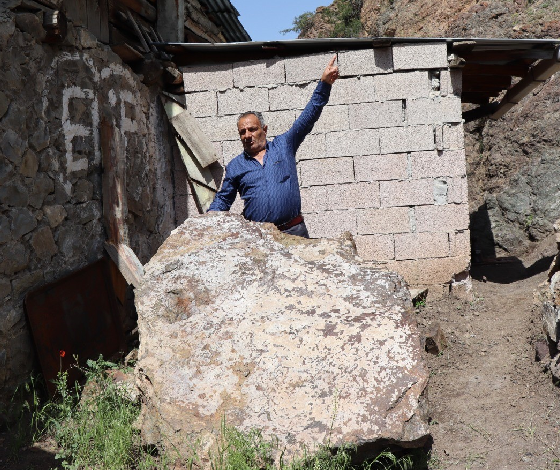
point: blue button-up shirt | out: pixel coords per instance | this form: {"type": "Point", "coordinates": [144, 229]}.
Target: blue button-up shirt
{"type": "Point", "coordinates": [271, 191]}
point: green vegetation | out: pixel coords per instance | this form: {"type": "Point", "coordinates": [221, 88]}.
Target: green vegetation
{"type": "Point", "coordinates": [94, 427]}
{"type": "Point", "coordinates": [342, 18]}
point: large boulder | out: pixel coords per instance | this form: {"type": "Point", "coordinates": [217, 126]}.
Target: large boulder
{"type": "Point", "coordinates": [294, 337]}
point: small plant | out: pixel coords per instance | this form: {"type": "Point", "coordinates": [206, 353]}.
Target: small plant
{"type": "Point", "coordinates": [93, 428]}
{"type": "Point", "coordinates": [343, 18]}
{"type": "Point", "coordinates": [301, 24]}
{"type": "Point", "coordinates": [419, 303]}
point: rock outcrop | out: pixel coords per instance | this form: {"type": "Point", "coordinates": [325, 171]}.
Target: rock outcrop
{"type": "Point", "coordinates": [295, 337]}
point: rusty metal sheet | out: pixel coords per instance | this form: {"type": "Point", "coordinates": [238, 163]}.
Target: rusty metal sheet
{"type": "Point", "coordinates": [75, 316]}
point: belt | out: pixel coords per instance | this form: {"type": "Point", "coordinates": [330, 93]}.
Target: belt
{"type": "Point", "coordinates": [298, 219]}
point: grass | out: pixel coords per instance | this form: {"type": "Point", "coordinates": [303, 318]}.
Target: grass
{"type": "Point", "coordinates": [94, 429]}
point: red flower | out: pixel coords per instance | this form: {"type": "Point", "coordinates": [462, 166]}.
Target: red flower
{"type": "Point", "coordinates": [62, 353]}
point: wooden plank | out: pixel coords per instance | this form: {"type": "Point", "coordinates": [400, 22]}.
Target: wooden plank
{"type": "Point", "coordinates": [194, 170]}
{"type": "Point", "coordinates": [113, 182]}
{"type": "Point", "coordinates": [127, 53]}
{"type": "Point", "coordinates": [171, 20]}
{"type": "Point", "coordinates": [188, 129]}
{"type": "Point", "coordinates": [506, 57]}
{"type": "Point", "coordinates": [128, 263]}
{"type": "Point", "coordinates": [104, 21]}
{"type": "Point", "coordinates": [203, 196]}
{"type": "Point", "coordinates": [76, 10]}
{"type": "Point", "coordinates": [93, 17]}
{"type": "Point", "coordinates": [142, 7]}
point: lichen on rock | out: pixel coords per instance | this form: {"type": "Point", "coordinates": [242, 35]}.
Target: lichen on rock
{"type": "Point", "coordinates": [298, 338]}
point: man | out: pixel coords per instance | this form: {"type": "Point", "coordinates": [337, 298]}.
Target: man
{"type": "Point", "coordinates": [265, 173]}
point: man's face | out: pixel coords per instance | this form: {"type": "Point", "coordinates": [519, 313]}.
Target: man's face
{"type": "Point", "coordinates": [252, 134]}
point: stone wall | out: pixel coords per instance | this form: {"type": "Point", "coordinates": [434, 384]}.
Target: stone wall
{"type": "Point", "coordinates": [51, 102]}
{"type": "Point", "coordinates": [386, 159]}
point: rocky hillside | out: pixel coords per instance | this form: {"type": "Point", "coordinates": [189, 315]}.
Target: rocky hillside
{"type": "Point", "coordinates": [513, 163]}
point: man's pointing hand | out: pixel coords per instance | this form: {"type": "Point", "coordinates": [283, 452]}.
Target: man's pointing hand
{"type": "Point", "coordinates": [331, 72]}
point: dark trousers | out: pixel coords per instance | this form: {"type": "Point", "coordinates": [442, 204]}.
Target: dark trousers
{"type": "Point", "coordinates": [300, 230]}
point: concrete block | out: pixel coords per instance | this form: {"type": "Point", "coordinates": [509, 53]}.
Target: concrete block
{"type": "Point", "coordinates": [376, 115]}
{"type": "Point", "coordinates": [333, 118]}
{"type": "Point", "coordinates": [420, 56]}
{"type": "Point", "coordinates": [421, 245]}
{"type": "Point", "coordinates": [306, 68]}
{"type": "Point", "coordinates": [391, 220]}
{"type": "Point", "coordinates": [429, 271]}
{"type": "Point", "coordinates": [290, 96]}
{"type": "Point", "coordinates": [312, 147]}
{"type": "Point", "coordinates": [330, 224]}
{"type": "Point", "coordinates": [404, 85]}
{"type": "Point", "coordinates": [258, 73]}
{"type": "Point", "coordinates": [406, 193]}
{"type": "Point", "coordinates": [220, 128]}
{"type": "Point", "coordinates": [237, 101]}
{"type": "Point", "coordinates": [440, 187]}
{"type": "Point", "coordinates": [353, 90]}
{"type": "Point", "coordinates": [278, 122]}
{"type": "Point", "coordinates": [406, 139]}
{"type": "Point", "coordinates": [353, 196]}
{"type": "Point", "coordinates": [381, 167]}
{"type": "Point", "coordinates": [451, 82]}
{"type": "Point", "coordinates": [434, 164]}
{"type": "Point", "coordinates": [365, 62]}
{"type": "Point", "coordinates": [458, 190]}
{"type": "Point", "coordinates": [326, 171]}
{"type": "Point", "coordinates": [230, 149]}
{"type": "Point", "coordinates": [375, 247]}
{"type": "Point", "coordinates": [453, 136]}
{"type": "Point", "coordinates": [460, 243]}
{"type": "Point", "coordinates": [204, 103]}
{"type": "Point", "coordinates": [348, 143]}
{"type": "Point", "coordinates": [434, 110]}
{"type": "Point", "coordinates": [448, 218]}
{"type": "Point", "coordinates": [207, 77]}
{"type": "Point", "coordinates": [314, 199]}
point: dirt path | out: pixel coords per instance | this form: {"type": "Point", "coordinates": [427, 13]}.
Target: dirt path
{"type": "Point", "coordinates": [491, 404]}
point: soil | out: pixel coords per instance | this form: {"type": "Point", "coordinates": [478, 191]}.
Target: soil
{"type": "Point", "coordinates": [490, 404]}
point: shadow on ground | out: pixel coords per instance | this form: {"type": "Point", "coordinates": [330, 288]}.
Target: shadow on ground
{"type": "Point", "coordinates": [508, 270]}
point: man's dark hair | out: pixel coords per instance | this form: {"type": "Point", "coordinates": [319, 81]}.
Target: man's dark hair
{"type": "Point", "coordinates": [255, 113]}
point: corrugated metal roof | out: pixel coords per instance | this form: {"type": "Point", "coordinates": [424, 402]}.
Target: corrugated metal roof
{"type": "Point", "coordinates": [226, 17]}
{"type": "Point", "coordinates": [490, 66]}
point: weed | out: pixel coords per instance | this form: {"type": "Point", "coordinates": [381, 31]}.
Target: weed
{"type": "Point", "coordinates": [419, 303]}
{"type": "Point", "coordinates": [93, 428]}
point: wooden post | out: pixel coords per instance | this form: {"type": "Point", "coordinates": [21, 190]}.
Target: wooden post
{"type": "Point", "coordinates": [171, 20]}
{"type": "Point", "coordinates": [114, 204]}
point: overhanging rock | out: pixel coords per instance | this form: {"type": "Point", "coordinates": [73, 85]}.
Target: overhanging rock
{"type": "Point", "coordinates": [294, 337]}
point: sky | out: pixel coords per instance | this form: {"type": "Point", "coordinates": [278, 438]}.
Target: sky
{"type": "Point", "coordinates": [264, 19]}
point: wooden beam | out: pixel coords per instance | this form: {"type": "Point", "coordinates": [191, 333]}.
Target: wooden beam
{"type": "Point", "coordinates": [190, 132]}
{"type": "Point", "coordinates": [536, 77]}
{"type": "Point", "coordinates": [171, 20]}
{"type": "Point", "coordinates": [507, 56]}
{"type": "Point", "coordinates": [142, 7]}
{"type": "Point", "coordinates": [113, 182]}
{"type": "Point", "coordinates": [128, 263]}
{"type": "Point", "coordinates": [127, 53]}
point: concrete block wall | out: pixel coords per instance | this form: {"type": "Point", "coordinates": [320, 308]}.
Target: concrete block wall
{"type": "Point", "coordinates": [386, 159]}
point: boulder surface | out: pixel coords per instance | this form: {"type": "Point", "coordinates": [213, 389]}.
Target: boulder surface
{"type": "Point", "coordinates": [297, 338]}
